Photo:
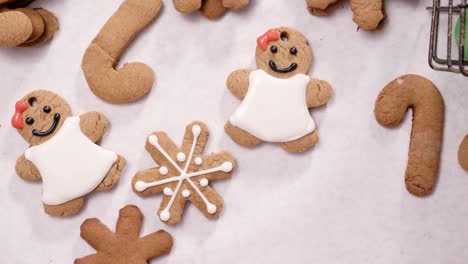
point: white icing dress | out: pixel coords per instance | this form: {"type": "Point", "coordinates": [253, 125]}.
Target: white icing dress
{"type": "Point", "coordinates": [70, 164]}
{"type": "Point", "coordinates": [274, 109]}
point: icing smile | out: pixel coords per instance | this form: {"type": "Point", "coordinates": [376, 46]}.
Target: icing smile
{"type": "Point", "coordinates": [275, 68]}
{"type": "Point", "coordinates": [50, 130]}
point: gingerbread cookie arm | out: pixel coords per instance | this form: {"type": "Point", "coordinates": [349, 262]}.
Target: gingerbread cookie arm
{"type": "Point", "coordinates": [367, 13]}
{"type": "Point", "coordinates": [26, 170]}
{"type": "Point", "coordinates": [318, 93]}
{"type": "Point", "coordinates": [420, 94]}
{"type": "Point", "coordinates": [94, 125]}
{"type": "Point", "coordinates": [133, 80]}
{"type": "Point", "coordinates": [463, 153]}
{"type": "Point", "coordinates": [238, 82]}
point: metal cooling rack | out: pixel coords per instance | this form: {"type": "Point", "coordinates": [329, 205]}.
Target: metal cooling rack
{"type": "Point", "coordinates": [448, 62]}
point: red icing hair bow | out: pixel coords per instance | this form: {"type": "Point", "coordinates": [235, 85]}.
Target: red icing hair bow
{"type": "Point", "coordinates": [263, 40]}
{"type": "Point", "coordinates": [17, 120]}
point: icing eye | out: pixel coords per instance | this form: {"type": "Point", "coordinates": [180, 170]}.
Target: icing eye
{"type": "Point", "coordinates": [273, 49]}
{"type": "Point", "coordinates": [47, 109]}
{"type": "Point", "coordinates": [293, 51]}
{"type": "Point", "coordinates": [29, 120]}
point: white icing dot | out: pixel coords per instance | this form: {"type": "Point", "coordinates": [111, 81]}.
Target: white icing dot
{"type": "Point", "coordinates": [211, 208]}
{"type": "Point", "coordinates": [226, 167]}
{"type": "Point", "coordinates": [163, 170]}
{"type": "Point", "coordinates": [185, 193]}
{"type": "Point", "coordinates": [196, 130]}
{"type": "Point", "coordinates": [181, 157]}
{"type": "Point", "coordinates": [167, 191]}
{"type": "Point", "coordinates": [165, 215]}
{"type": "Point", "coordinates": [140, 186]}
{"type": "Point", "coordinates": [198, 161]}
{"type": "Point", "coordinates": [204, 182]}
{"type": "Point", "coordinates": [153, 139]}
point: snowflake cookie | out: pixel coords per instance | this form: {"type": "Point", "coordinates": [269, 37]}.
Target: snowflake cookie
{"type": "Point", "coordinates": [184, 174]}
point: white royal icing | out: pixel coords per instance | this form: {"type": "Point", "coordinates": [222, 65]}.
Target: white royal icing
{"type": "Point", "coordinates": [70, 164]}
{"type": "Point", "coordinates": [165, 214]}
{"type": "Point", "coordinates": [198, 160]}
{"type": "Point", "coordinates": [274, 109]}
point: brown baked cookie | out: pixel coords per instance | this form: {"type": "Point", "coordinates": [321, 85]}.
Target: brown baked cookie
{"type": "Point", "coordinates": [133, 80]}
{"type": "Point", "coordinates": [50, 27]}
{"type": "Point", "coordinates": [34, 28]}
{"type": "Point", "coordinates": [209, 8]}
{"type": "Point", "coordinates": [423, 97]}
{"type": "Point", "coordinates": [463, 153]}
{"type": "Point", "coordinates": [125, 245]}
{"type": "Point", "coordinates": [368, 14]}
{"type": "Point", "coordinates": [62, 151]}
{"type": "Point", "coordinates": [37, 22]}
{"type": "Point", "coordinates": [184, 173]}
{"type": "Point", "coordinates": [15, 28]}
{"type": "Point", "coordinates": [277, 96]}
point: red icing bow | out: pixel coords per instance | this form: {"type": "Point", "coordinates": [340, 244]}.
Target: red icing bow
{"type": "Point", "coordinates": [263, 40]}
{"type": "Point", "coordinates": [17, 120]}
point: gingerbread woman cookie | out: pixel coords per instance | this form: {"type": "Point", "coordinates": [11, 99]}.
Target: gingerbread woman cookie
{"type": "Point", "coordinates": [368, 14]}
{"type": "Point", "coordinates": [25, 27]}
{"type": "Point", "coordinates": [209, 8]}
{"type": "Point", "coordinates": [125, 245]}
{"type": "Point", "coordinates": [184, 174]}
{"type": "Point", "coordinates": [63, 153]}
{"type": "Point", "coordinates": [277, 96]}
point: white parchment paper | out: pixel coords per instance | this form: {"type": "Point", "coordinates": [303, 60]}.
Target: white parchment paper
{"type": "Point", "coordinates": [342, 202]}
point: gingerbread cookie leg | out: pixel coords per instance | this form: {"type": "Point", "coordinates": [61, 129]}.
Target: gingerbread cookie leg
{"type": "Point", "coordinates": [133, 80]}
{"type": "Point", "coordinates": [420, 94]}
{"type": "Point", "coordinates": [66, 209]}
{"type": "Point", "coordinates": [302, 144]}
{"type": "Point", "coordinates": [463, 153]}
{"type": "Point", "coordinates": [367, 13]}
{"type": "Point", "coordinates": [241, 136]}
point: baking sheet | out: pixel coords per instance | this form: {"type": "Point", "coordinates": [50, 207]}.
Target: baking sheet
{"type": "Point", "coordinates": [342, 202]}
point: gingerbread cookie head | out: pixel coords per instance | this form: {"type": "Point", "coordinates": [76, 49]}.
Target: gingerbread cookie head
{"type": "Point", "coordinates": [39, 115]}
{"type": "Point", "coordinates": [283, 52]}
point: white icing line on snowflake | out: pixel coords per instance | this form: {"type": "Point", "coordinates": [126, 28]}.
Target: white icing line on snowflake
{"type": "Point", "coordinates": [165, 214]}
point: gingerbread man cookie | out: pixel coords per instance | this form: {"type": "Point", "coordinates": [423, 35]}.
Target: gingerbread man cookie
{"type": "Point", "coordinates": [63, 153]}
{"type": "Point", "coordinates": [25, 27]}
{"type": "Point", "coordinates": [209, 8]}
{"type": "Point", "coordinates": [366, 13]}
{"type": "Point", "coordinates": [184, 174]}
{"type": "Point", "coordinates": [125, 245]}
{"type": "Point", "coordinates": [277, 96]}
